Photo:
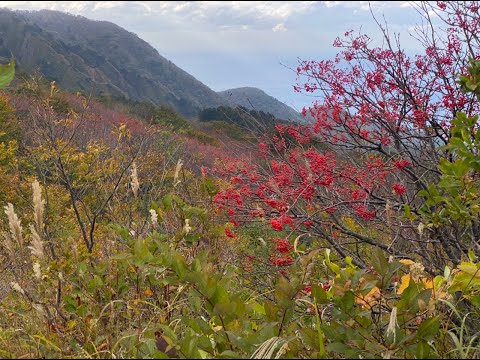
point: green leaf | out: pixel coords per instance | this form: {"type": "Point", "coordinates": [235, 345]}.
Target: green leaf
{"type": "Point", "coordinates": [407, 210]}
{"type": "Point", "coordinates": [191, 211]}
{"type": "Point", "coordinates": [70, 303]}
{"type": "Point", "coordinates": [337, 347]}
{"type": "Point", "coordinates": [167, 201]}
{"type": "Point", "coordinates": [195, 302]}
{"type": "Point", "coordinates": [189, 346]}
{"type": "Point", "coordinates": [199, 261]}
{"type": "Point", "coordinates": [123, 232]}
{"type": "Point", "coordinates": [309, 336]}
{"type": "Point", "coordinates": [471, 255]}
{"type": "Point", "coordinates": [423, 350]}
{"type": "Point", "coordinates": [350, 263]}
{"type": "Point", "coordinates": [409, 296]}
{"type": "Point", "coordinates": [220, 296]}
{"type": "Point", "coordinates": [334, 267]}
{"type": "Point", "coordinates": [82, 267]}
{"type": "Point", "coordinates": [470, 268]}
{"type": "Point", "coordinates": [364, 321]}
{"type": "Point", "coordinates": [95, 283]}
{"type": "Point", "coordinates": [258, 308]}
{"type": "Point", "coordinates": [379, 262]}
{"type": "Point", "coordinates": [160, 355]}
{"type": "Point", "coordinates": [284, 292]}
{"type": "Point", "coordinates": [271, 310]}
{"type": "Point", "coordinates": [477, 135]}
{"type": "Point", "coordinates": [209, 186]}
{"type": "Point", "coordinates": [168, 332]}
{"type": "Point", "coordinates": [178, 200]}
{"type": "Point", "coordinates": [471, 86]}
{"type": "Point", "coordinates": [192, 239]}
{"type": "Point", "coordinates": [225, 309]}
{"type": "Point", "coordinates": [462, 281]}
{"type": "Point", "coordinates": [319, 294]}
{"type": "Point", "coordinates": [142, 254]}
{"type": "Point", "coordinates": [428, 329]}
{"type": "Point", "coordinates": [7, 72]}
{"type": "Point", "coordinates": [346, 302]}
{"type": "Point", "coordinates": [229, 354]}
{"type": "Point", "coordinates": [179, 266]}
{"type": "Point", "coordinates": [334, 332]}
{"type": "Point", "coordinates": [203, 354]}
{"type": "Point", "coordinates": [475, 301]}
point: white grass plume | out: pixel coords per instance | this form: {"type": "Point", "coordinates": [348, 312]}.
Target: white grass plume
{"type": "Point", "coordinates": [38, 205]}
{"type": "Point", "coordinates": [266, 350]}
{"type": "Point", "coordinates": [392, 324]}
{"type": "Point", "coordinates": [154, 217]}
{"type": "Point", "coordinates": [36, 245]}
{"type": "Point", "coordinates": [187, 228]}
{"type": "Point", "coordinates": [14, 224]}
{"type": "Point", "coordinates": [16, 286]}
{"type": "Point", "coordinates": [37, 271]}
{"type": "Point", "coordinates": [7, 242]}
{"type": "Point", "coordinates": [134, 182]}
{"type": "Point", "coordinates": [177, 172]}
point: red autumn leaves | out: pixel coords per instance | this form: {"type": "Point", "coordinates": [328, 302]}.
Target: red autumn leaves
{"type": "Point", "coordinates": [372, 141]}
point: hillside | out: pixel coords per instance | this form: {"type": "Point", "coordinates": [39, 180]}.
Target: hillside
{"type": "Point", "coordinates": [99, 56]}
{"type": "Point", "coordinates": [130, 231]}
{"type": "Point", "coordinates": [256, 99]}
{"type": "Point", "coordinates": [81, 54]}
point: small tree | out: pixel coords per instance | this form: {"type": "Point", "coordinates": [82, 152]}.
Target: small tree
{"type": "Point", "coordinates": [91, 157]}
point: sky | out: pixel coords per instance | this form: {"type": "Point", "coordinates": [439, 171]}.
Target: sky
{"type": "Point", "coordinates": [229, 44]}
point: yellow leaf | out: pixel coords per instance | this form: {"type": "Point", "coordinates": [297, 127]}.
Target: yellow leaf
{"type": "Point", "coordinates": [407, 262]}
{"type": "Point", "coordinates": [470, 269]}
{"type": "Point", "coordinates": [71, 324]}
{"type": "Point", "coordinates": [370, 299]}
{"type": "Point", "coordinates": [403, 284]}
{"type": "Point", "coordinates": [148, 292]}
{"type": "Point", "coordinates": [428, 283]}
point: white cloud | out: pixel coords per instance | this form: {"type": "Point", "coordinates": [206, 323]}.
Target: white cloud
{"type": "Point", "coordinates": [279, 28]}
{"type": "Point", "coordinates": [216, 12]}
{"type": "Point", "coordinates": [254, 9]}
{"type": "Point", "coordinates": [105, 5]}
{"type": "Point", "coordinates": [365, 5]}
{"type": "Point", "coordinates": [74, 7]}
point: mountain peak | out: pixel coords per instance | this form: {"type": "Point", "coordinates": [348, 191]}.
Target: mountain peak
{"type": "Point", "coordinates": [99, 56]}
{"type": "Point", "coordinates": [254, 98]}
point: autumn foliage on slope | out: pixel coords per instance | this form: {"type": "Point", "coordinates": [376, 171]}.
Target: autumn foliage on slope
{"type": "Point", "coordinates": [111, 245]}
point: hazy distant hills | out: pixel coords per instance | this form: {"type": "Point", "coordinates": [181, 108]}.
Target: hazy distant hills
{"type": "Point", "coordinates": [256, 99]}
{"type": "Point", "coordinates": [82, 54]}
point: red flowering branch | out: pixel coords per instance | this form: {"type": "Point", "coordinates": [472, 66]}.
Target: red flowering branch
{"type": "Point", "coordinates": [346, 177]}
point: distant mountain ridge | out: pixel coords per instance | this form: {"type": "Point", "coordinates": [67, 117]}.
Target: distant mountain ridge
{"type": "Point", "coordinates": [82, 54]}
{"type": "Point", "coordinates": [256, 99]}
{"type": "Point", "coordinates": [99, 56]}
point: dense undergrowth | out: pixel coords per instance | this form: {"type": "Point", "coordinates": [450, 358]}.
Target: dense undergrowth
{"type": "Point", "coordinates": [125, 235]}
